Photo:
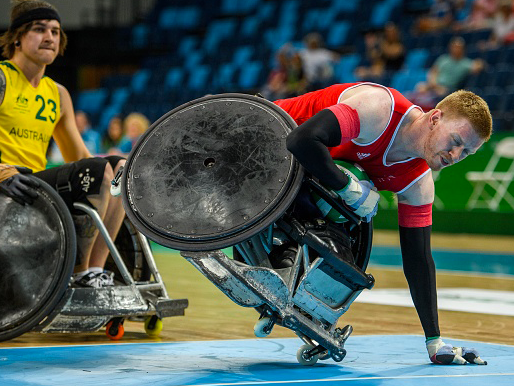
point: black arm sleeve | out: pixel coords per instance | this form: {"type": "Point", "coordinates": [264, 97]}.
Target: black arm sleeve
{"type": "Point", "coordinates": [419, 269]}
{"type": "Point", "coordinates": [309, 142]}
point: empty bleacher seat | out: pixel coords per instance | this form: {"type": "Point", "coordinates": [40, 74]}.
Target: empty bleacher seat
{"type": "Point", "coordinates": [416, 58]}
{"type": "Point", "coordinates": [338, 34]}
{"type": "Point", "coordinates": [250, 75]}
{"type": "Point", "coordinates": [91, 101]}
{"type": "Point", "coordinates": [140, 80]}
{"type": "Point", "coordinates": [174, 77]}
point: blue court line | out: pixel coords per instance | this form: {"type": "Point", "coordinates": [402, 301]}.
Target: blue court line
{"type": "Point", "coordinates": [451, 260]}
{"type": "Point", "coordinates": [371, 361]}
{"type": "Point", "coordinates": [445, 259]}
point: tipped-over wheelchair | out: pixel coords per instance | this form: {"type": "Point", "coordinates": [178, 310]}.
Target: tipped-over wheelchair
{"type": "Point", "coordinates": [215, 173]}
{"type": "Point", "coordinates": [37, 256]}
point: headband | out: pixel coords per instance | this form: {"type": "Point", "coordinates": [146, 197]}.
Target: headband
{"type": "Point", "coordinates": [35, 14]}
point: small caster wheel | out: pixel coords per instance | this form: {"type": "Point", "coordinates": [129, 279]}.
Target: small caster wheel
{"type": "Point", "coordinates": [301, 356]}
{"type": "Point", "coordinates": [263, 327]}
{"type": "Point", "coordinates": [153, 326]}
{"type": "Point", "coordinates": [114, 329]}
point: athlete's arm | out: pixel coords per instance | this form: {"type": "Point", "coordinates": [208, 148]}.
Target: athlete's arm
{"type": "Point", "coordinates": [3, 83]}
{"type": "Point", "coordinates": [66, 133]}
{"type": "Point", "coordinates": [309, 143]}
{"type": "Point", "coordinates": [357, 118]}
{"type": "Point", "coordinates": [415, 219]}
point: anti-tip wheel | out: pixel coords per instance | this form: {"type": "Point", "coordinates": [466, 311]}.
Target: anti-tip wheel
{"type": "Point", "coordinates": [263, 327]}
{"type": "Point", "coordinates": [301, 356]}
{"type": "Point", "coordinates": [114, 329]}
{"type": "Point", "coordinates": [153, 326]}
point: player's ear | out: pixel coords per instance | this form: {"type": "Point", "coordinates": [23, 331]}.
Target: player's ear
{"type": "Point", "coordinates": [434, 117]}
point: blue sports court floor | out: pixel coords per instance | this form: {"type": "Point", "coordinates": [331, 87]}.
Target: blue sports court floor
{"type": "Point", "coordinates": [371, 361]}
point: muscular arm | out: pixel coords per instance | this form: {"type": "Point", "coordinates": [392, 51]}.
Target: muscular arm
{"type": "Point", "coordinates": [66, 133]}
{"type": "Point", "coordinates": [309, 143]}
{"type": "Point", "coordinates": [418, 264]}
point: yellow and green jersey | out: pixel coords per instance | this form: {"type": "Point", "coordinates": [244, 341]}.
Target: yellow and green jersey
{"type": "Point", "coordinates": [28, 116]}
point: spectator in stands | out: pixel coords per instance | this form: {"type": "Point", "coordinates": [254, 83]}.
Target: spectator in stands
{"type": "Point", "coordinates": [503, 25]}
{"type": "Point", "coordinates": [112, 136]}
{"type": "Point", "coordinates": [90, 137]}
{"type": "Point", "coordinates": [480, 17]}
{"type": "Point", "coordinates": [135, 125]}
{"type": "Point", "coordinates": [288, 78]}
{"type": "Point", "coordinates": [448, 74]}
{"type": "Point", "coordinates": [386, 53]}
{"type": "Point", "coordinates": [276, 85]}
{"type": "Point", "coordinates": [439, 18]}
{"type": "Point", "coordinates": [317, 61]}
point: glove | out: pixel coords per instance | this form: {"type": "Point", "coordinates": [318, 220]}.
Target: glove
{"type": "Point", "coordinates": [362, 197]}
{"type": "Point", "coordinates": [444, 354]}
{"type": "Point", "coordinates": [17, 186]}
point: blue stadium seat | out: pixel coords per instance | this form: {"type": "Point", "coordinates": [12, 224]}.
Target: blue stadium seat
{"type": "Point", "coordinates": [140, 35]}
{"type": "Point", "coordinates": [225, 77]}
{"type": "Point", "coordinates": [120, 96]}
{"type": "Point", "coordinates": [343, 70]}
{"type": "Point", "coordinates": [416, 59]}
{"type": "Point", "coordinates": [187, 44]}
{"type": "Point", "coordinates": [249, 76]}
{"type": "Point", "coordinates": [405, 80]}
{"type": "Point", "coordinates": [216, 32]}
{"type": "Point", "coordinates": [338, 34]}
{"type": "Point", "coordinates": [140, 80]}
{"type": "Point", "coordinates": [174, 78]}
{"type": "Point", "coordinates": [381, 13]}
{"type": "Point", "coordinates": [91, 101]}
{"type": "Point", "coordinates": [243, 55]}
{"type": "Point", "coordinates": [345, 6]}
{"type": "Point", "coordinates": [230, 7]}
{"type": "Point", "coordinates": [179, 18]}
{"type": "Point", "coordinates": [199, 77]}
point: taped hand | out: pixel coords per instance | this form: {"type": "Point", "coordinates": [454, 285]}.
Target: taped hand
{"type": "Point", "coordinates": [362, 197]}
{"type": "Point", "coordinates": [445, 354]}
{"type": "Point", "coordinates": [17, 186]}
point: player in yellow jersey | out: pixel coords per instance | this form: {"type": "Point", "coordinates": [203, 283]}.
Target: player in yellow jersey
{"type": "Point", "coordinates": [34, 108]}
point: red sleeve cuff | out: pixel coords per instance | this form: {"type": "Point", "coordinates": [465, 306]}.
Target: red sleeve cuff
{"type": "Point", "coordinates": [410, 216]}
{"type": "Point", "coordinates": [348, 119]}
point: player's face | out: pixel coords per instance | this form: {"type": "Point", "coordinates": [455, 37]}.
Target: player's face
{"type": "Point", "coordinates": [41, 43]}
{"type": "Point", "coordinates": [450, 141]}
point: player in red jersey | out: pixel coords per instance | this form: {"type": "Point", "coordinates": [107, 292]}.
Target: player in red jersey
{"type": "Point", "coordinates": [398, 145]}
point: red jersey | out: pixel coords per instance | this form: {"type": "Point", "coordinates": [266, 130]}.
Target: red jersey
{"type": "Point", "coordinates": [394, 176]}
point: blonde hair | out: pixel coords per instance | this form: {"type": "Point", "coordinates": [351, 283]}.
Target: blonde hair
{"type": "Point", "coordinates": [8, 39]}
{"type": "Point", "coordinates": [468, 105]}
{"type": "Point", "coordinates": [139, 119]}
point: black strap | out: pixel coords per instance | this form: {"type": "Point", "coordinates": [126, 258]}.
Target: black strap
{"type": "Point", "coordinates": [63, 183]}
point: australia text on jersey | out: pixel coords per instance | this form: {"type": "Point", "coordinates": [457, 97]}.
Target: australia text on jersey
{"type": "Point", "coordinates": [29, 134]}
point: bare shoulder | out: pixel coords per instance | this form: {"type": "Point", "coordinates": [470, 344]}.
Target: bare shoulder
{"type": "Point", "coordinates": [373, 104]}
{"type": "Point", "coordinates": [65, 99]}
{"type": "Point", "coordinates": [420, 193]}
{"type": "Point", "coordinates": [3, 83]}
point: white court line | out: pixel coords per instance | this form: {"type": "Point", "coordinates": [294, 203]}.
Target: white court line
{"type": "Point", "coordinates": [230, 340]}
{"type": "Point", "coordinates": [356, 379]}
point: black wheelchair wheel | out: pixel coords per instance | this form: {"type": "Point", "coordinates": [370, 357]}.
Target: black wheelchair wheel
{"type": "Point", "coordinates": [131, 252]}
{"type": "Point", "coordinates": [37, 257]}
{"type": "Point", "coordinates": [211, 173]}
